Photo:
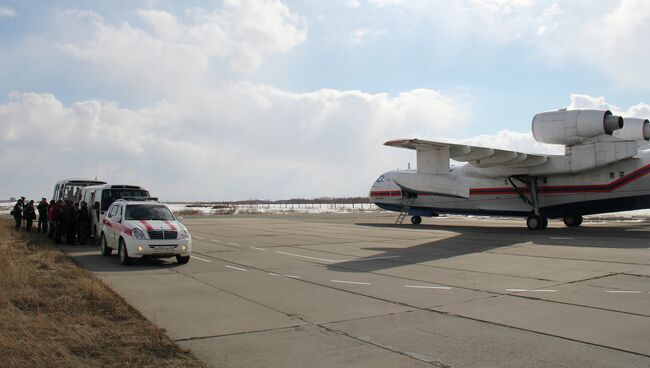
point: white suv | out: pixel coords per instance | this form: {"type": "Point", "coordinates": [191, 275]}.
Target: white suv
{"type": "Point", "coordinates": [144, 228]}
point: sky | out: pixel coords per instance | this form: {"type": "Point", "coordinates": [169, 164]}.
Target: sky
{"type": "Point", "coordinates": [269, 99]}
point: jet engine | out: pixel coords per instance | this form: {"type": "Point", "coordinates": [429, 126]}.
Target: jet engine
{"type": "Point", "coordinates": [569, 127]}
{"type": "Point", "coordinates": [634, 129]}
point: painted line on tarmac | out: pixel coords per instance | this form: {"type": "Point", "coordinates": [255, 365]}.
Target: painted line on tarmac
{"type": "Point", "coordinates": [624, 291]}
{"type": "Point", "coordinates": [289, 276]}
{"type": "Point", "coordinates": [231, 243]}
{"type": "Point", "coordinates": [428, 287]}
{"type": "Point", "coordinates": [256, 248]}
{"type": "Point", "coordinates": [216, 240]}
{"type": "Point", "coordinates": [308, 257]}
{"type": "Point", "coordinates": [236, 268]}
{"type": "Point", "coordinates": [516, 290]}
{"type": "Point", "coordinates": [201, 259]}
{"type": "Point", "coordinates": [351, 282]}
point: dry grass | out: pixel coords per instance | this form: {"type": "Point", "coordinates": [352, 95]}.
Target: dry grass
{"type": "Point", "coordinates": [54, 313]}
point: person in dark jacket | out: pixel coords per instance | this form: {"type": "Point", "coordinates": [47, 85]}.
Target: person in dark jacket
{"type": "Point", "coordinates": [42, 216]}
{"type": "Point", "coordinates": [17, 212]}
{"type": "Point", "coordinates": [69, 219]}
{"type": "Point", "coordinates": [59, 221]}
{"type": "Point", "coordinates": [83, 220]}
{"type": "Point", "coordinates": [29, 215]}
{"type": "Point", "coordinates": [50, 219]}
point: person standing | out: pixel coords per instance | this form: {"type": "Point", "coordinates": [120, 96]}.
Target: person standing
{"type": "Point", "coordinates": [17, 212]}
{"type": "Point", "coordinates": [59, 221]}
{"type": "Point", "coordinates": [50, 219]}
{"type": "Point", "coordinates": [83, 220]}
{"type": "Point", "coordinates": [42, 216]}
{"type": "Point", "coordinates": [69, 221]}
{"type": "Point", "coordinates": [29, 214]}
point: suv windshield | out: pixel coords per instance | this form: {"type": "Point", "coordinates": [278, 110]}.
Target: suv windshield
{"type": "Point", "coordinates": [148, 212]}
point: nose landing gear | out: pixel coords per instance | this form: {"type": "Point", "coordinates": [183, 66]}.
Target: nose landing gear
{"type": "Point", "coordinates": [416, 220]}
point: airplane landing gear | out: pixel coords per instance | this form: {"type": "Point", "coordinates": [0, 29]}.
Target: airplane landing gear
{"type": "Point", "coordinates": [416, 220]}
{"type": "Point", "coordinates": [572, 221]}
{"type": "Point", "coordinates": [535, 222]}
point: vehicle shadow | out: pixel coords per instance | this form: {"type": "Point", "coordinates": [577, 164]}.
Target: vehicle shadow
{"type": "Point", "coordinates": [455, 240]}
{"type": "Point", "coordinates": [91, 259]}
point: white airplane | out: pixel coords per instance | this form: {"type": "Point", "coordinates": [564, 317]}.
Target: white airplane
{"type": "Point", "coordinates": [603, 169]}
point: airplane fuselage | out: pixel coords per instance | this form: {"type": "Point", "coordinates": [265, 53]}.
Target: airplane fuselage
{"type": "Point", "coordinates": [620, 186]}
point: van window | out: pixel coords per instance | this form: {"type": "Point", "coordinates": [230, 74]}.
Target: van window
{"type": "Point", "coordinates": [111, 195]}
{"type": "Point", "coordinates": [56, 193]}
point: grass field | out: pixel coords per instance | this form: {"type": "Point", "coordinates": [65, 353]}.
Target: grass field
{"type": "Point", "coordinates": [54, 313]}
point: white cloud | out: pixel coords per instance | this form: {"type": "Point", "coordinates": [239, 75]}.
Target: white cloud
{"type": "Point", "coordinates": [505, 5]}
{"type": "Point", "coordinates": [176, 54]}
{"type": "Point", "coordinates": [351, 3]}
{"type": "Point", "coordinates": [6, 11]}
{"type": "Point", "coordinates": [382, 3]}
{"type": "Point", "coordinates": [581, 101]}
{"type": "Point", "coordinates": [610, 36]}
{"type": "Point", "coordinates": [242, 140]}
{"type": "Point", "coordinates": [360, 35]}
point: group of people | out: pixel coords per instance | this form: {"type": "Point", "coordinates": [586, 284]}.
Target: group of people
{"type": "Point", "coordinates": [57, 219]}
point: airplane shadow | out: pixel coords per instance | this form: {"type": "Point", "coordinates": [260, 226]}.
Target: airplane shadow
{"type": "Point", "coordinates": [467, 240]}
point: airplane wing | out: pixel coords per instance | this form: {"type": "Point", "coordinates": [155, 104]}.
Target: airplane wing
{"type": "Point", "coordinates": [480, 157]}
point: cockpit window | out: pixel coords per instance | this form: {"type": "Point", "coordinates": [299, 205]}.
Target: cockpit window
{"type": "Point", "coordinates": [380, 180]}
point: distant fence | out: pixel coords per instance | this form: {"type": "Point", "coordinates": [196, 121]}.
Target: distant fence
{"type": "Point", "coordinates": [254, 208]}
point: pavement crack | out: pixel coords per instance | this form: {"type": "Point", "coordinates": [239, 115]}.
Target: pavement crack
{"type": "Point", "coordinates": [418, 357]}
{"type": "Point", "coordinates": [237, 333]}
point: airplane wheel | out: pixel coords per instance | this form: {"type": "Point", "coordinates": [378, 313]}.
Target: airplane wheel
{"type": "Point", "coordinates": [573, 221]}
{"type": "Point", "coordinates": [416, 220]}
{"type": "Point", "coordinates": [544, 223]}
{"type": "Point", "coordinates": [535, 222]}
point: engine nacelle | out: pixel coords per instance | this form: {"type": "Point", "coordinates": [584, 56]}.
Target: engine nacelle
{"type": "Point", "coordinates": [569, 127]}
{"type": "Point", "coordinates": [635, 129]}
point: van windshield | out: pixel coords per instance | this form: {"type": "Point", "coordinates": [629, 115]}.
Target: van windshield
{"type": "Point", "coordinates": [148, 212]}
{"type": "Point", "coordinates": [111, 195]}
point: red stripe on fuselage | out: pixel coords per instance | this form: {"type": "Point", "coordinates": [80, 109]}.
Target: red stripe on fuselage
{"type": "Point", "coordinates": [594, 188]}
{"type": "Point", "coordinates": [386, 193]}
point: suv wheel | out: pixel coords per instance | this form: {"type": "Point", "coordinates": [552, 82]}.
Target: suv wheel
{"type": "Point", "coordinates": [106, 250]}
{"type": "Point", "coordinates": [182, 259]}
{"type": "Point", "coordinates": [124, 255]}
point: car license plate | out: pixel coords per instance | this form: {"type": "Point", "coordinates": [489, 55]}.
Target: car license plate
{"type": "Point", "coordinates": [163, 249]}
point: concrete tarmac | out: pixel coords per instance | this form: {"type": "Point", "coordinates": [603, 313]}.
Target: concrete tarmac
{"type": "Point", "coordinates": [358, 291]}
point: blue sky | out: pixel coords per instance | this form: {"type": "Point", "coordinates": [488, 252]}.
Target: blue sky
{"type": "Point", "coordinates": [272, 99]}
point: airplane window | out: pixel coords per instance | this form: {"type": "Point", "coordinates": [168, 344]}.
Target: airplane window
{"type": "Point", "coordinates": [611, 175]}
{"type": "Point", "coordinates": [381, 179]}
{"type": "Point", "coordinates": [621, 174]}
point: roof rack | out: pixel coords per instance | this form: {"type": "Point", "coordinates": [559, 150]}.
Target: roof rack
{"type": "Point", "coordinates": [137, 198]}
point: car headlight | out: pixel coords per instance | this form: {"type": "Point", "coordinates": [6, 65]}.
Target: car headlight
{"type": "Point", "coordinates": [138, 234]}
{"type": "Point", "coordinates": [183, 234]}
